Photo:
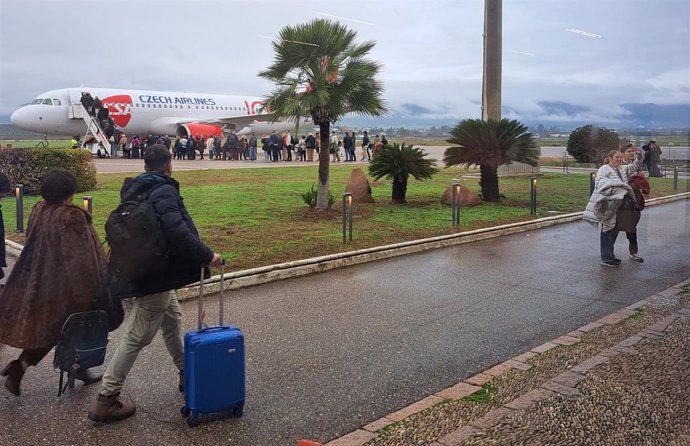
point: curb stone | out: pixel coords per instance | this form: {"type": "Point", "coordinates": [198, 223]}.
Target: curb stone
{"type": "Point", "coordinates": [563, 384]}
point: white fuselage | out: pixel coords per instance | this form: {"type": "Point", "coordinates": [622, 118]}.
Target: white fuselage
{"type": "Point", "coordinates": [143, 112]}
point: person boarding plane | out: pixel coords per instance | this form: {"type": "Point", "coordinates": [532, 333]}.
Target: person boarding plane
{"type": "Point", "coordinates": [143, 112]}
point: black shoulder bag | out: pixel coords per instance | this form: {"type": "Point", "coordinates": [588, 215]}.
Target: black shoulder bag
{"type": "Point", "coordinates": [628, 214]}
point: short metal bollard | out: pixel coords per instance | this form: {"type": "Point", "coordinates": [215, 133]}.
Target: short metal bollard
{"type": "Point", "coordinates": [19, 193]}
{"type": "Point", "coordinates": [592, 177]}
{"type": "Point", "coordinates": [347, 215]}
{"type": "Point", "coordinates": [88, 204]}
{"type": "Point", "coordinates": [675, 177]}
{"type": "Point", "coordinates": [455, 203]}
{"type": "Point", "coordinates": [533, 196]}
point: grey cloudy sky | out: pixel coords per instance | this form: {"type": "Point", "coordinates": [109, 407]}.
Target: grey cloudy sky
{"type": "Point", "coordinates": [431, 51]}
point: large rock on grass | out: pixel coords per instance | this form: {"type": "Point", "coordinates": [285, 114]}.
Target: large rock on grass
{"type": "Point", "coordinates": [468, 198]}
{"type": "Point", "coordinates": [358, 186]}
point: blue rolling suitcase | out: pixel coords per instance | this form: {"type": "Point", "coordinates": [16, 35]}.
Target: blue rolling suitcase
{"type": "Point", "coordinates": [214, 372]}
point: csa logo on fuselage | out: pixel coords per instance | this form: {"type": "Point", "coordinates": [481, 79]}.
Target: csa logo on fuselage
{"type": "Point", "coordinates": [120, 108]}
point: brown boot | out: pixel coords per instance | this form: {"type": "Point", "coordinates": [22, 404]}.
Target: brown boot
{"type": "Point", "coordinates": [107, 409]}
{"type": "Point", "coordinates": [14, 373]}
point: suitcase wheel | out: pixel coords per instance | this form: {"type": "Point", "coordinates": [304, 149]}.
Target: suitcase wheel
{"type": "Point", "coordinates": [193, 420]}
{"type": "Point", "coordinates": [185, 411]}
{"type": "Point", "coordinates": [238, 411]}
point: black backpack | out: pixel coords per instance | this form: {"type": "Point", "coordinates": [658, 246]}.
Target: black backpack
{"type": "Point", "coordinates": [137, 244]}
{"type": "Point", "coordinates": [82, 345]}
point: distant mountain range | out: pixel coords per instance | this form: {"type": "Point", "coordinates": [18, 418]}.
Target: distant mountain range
{"type": "Point", "coordinates": [648, 116]}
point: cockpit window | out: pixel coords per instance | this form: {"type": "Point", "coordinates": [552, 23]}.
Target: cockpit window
{"type": "Point", "coordinates": [47, 102]}
{"type": "Point", "coordinates": [56, 102]}
{"type": "Point", "coordinates": [36, 101]}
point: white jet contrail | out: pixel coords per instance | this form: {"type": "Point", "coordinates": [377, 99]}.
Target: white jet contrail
{"type": "Point", "coordinates": [527, 53]}
{"type": "Point", "coordinates": [583, 33]}
{"type": "Point", "coordinates": [344, 18]}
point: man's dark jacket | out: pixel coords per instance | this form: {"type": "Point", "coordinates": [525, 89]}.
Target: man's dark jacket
{"type": "Point", "coordinates": [233, 142]}
{"type": "Point", "coordinates": [186, 252]}
{"type": "Point", "coordinates": [274, 141]}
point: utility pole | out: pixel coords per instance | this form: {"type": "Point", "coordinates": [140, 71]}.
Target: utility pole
{"type": "Point", "coordinates": [491, 81]}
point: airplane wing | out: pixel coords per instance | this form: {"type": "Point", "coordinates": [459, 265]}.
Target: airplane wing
{"type": "Point", "coordinates": [230, 123]}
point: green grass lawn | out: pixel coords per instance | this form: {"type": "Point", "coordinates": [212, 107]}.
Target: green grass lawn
{"type": "Point", "coordinates": [254, 217]}
{"type": "Point", "coordinates": [30, 143]}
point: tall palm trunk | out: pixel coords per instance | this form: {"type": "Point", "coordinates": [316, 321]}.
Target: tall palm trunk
{"type": "Point", "coordinates": [324, 158]}
{"type": "Point", "coordinates": [399, 188]}
{"type": "Point", "coordinates": [489, 183]}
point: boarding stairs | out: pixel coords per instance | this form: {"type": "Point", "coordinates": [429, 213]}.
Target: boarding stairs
{"type": "Point", "coordinates": [77, 111]}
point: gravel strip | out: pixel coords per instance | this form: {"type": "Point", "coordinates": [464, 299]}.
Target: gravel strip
{"type": "Point", "coordinates": [632, 400]}
{"type": "Point", "coordinates": [430, 425]}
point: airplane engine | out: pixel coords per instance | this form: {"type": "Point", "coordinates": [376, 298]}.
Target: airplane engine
{"type": "Point", "coordinates": [198, 129]}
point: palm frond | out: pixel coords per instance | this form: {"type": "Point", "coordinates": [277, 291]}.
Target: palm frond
{"type": "Point", "coordinates": [399, 160]}
{"type": "Point", "coordinates": [319, 69]}
{"type": "Point", "coordinates": [491, 142]}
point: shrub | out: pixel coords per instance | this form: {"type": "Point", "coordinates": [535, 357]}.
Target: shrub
{"type": "Point", "coordinates": [27, 166]}
{"type": "Point", "coordinates": [589, 144]}
{"type": "Point", "coordinates": [398, 162]}
{"type": "Point", "coordinates": [309, 197]}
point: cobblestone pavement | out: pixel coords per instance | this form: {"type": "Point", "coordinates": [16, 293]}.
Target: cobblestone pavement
{"type": "Point", "coordinates": [622, 380]}
{"type": "Point", "coordinates": [634, 399]}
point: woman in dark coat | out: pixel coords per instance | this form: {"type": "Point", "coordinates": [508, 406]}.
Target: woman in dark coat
{"type": "Point", "coordinates": [4, 188]}
{"type": "Point", "coordinates": [59, 272]}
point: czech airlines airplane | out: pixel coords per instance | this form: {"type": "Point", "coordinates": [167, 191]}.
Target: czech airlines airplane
{"type": "Point", "coordinates": [140, 112]}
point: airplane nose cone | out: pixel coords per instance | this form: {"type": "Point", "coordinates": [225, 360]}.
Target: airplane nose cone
{"type": "Point", "coordinates": [20, 118]}
{"type": "Point", "coordinates": [14, 117]}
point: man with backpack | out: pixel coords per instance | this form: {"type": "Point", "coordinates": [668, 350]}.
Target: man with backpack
{"type": "Point", "coordinates": [152, 281]}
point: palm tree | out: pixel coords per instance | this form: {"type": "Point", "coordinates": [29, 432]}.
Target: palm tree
{"type": "Point", "coordinates": [489, 144]}
{"type": "Point", "coordinates": [319, 68]}
{"type": "Point", "coordinates": [399, 162]}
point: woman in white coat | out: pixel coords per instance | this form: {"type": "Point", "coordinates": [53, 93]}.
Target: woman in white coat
{"type": "Point", "coordinates": [610, 189]}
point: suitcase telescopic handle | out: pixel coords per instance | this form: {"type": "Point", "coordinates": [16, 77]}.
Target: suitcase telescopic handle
{"type": "Point", "coordinates": [221, 297]}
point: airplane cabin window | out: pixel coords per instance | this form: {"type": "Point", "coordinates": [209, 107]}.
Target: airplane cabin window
{"type": "Point", "coordinates": [47, 102]}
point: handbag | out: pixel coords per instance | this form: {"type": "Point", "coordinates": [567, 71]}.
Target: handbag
{"type": "Point", "coordinates": [628, 215]}
{"type": "Point", "coordinates": [82, 344]}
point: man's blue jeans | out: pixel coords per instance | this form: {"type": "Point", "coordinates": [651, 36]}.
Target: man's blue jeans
{"type": "Point", "coordinates": [607, 241]}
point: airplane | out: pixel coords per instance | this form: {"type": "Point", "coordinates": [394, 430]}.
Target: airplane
{"type": "Point", "coordinates": [144, 112]}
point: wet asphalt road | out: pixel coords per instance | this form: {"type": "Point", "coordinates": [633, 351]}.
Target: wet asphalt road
{"type": "Point", "coordinates": [330, 352]}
